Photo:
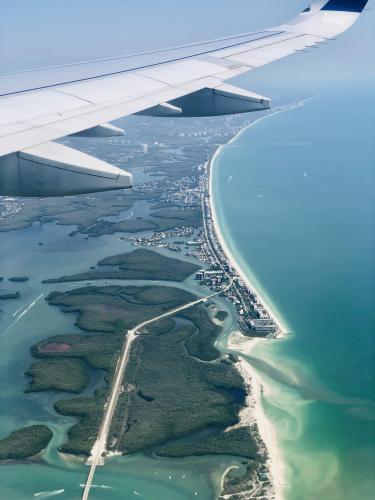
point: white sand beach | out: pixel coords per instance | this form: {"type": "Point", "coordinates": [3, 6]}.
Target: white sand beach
{"type": "Point", "coordinates": [283, 329]}
{"type": "Point", "coordinates": [254, 412]}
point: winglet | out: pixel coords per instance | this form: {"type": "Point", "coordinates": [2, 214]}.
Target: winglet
{"type": "Point", "coordinates": [345, 5]}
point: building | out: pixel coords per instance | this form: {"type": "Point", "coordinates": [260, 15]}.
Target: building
{"type": "Point", "coordinates": [263, 325]}
{"type": "Point", "coordinates": [213, 274]}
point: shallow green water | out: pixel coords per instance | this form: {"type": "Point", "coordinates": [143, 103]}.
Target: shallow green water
{"type": "Point", "coordinates": [295, 200]}
{"type": "Point", "coordinates": [29, 319]}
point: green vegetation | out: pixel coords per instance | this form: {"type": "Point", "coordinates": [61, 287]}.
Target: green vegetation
{"type": "Point", "coordinates": [148, 265]}
{"type": "Point", "coordinates": [115, 309]}
{"type": "Point", "coordinates": [238, 442]}
{"type": "Point", "coordinates": [141, 264]}
{"type": "Point", "coordinates": [70, 375]}
{"type": "Point", "coordinates": [25, 443]}
{"type": "Point", "coordinates": [201, 344]}
{"type": "Point", "coordinates": [160, 220]}
{"type": "Point", "coordinates": [8, 296]}
{"type": "Point", "coordinates": [174, 217]}
{"type": "Point", "coordinates": [164, 204]}
{"type": "Point", "coordinates": [125, 226]}
{"type": "Point", "coordinates": [221, 315]}
{"type": "Point", "coordinates": [81, 211]}
{"type": "Point", "coordinates": [171, 394]}
{"type": "Point", "coordinates": [89, 411]}
{"type": "Point", "coordinates": [112, 310]}
{"type": "Point", "coordinates": [98, 351]}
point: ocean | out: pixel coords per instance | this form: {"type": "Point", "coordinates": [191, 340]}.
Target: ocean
{"type": "Point", "coordinates": [294, 199]}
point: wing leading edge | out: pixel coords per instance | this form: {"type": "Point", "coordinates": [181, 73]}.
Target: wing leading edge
{"type": "Point", "coordinates": [40, 106]}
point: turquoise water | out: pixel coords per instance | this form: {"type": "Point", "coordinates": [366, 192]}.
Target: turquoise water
{"type": "Point", "coordinates": [295, 200]}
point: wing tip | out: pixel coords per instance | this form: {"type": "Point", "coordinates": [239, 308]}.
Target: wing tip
{"type": "Point", "coordinates": [355, 6]}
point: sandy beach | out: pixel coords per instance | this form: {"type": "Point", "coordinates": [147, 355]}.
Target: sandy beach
{"type": "Point", "coordinates": [283, 328]}
{"type": "Point", "coordinates": [254, 412]}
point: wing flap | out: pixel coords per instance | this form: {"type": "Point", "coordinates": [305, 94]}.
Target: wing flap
{"type": "Point", "coordinates": [222, 100]}
{"type": "Point", "coordinates": [56, 170]}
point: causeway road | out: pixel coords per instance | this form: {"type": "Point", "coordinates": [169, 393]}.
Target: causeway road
{"type": "Point", "coordinates": [98, 451]}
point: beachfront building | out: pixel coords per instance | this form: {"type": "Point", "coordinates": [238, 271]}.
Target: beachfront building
{"type": "Point", "coordinates": [263, 325]}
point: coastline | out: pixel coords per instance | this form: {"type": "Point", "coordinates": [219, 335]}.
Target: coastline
{"type": "Point", "coordinates": [283, 329]}
{"type": "Point", "coordinates": [252, 379]}
{"type": "Point", "coordinates": [254, 412]}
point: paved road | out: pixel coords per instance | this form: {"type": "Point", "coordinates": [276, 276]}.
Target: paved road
{"type": "Point", "coordinates": [96, 458]}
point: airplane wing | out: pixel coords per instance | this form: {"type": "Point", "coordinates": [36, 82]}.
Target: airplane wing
{"type": "Point", "coordinates": [39, 106]}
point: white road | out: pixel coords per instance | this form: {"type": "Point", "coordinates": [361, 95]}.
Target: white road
{"type": "Point", "coordinates": [98, 451]}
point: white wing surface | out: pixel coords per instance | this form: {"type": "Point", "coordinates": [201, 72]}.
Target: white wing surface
{"type": "Point", "coordinates": [40, 106]}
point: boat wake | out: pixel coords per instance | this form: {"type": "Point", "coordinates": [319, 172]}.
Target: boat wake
{"type": "Point", "coordinates": [25, 311]}
{"type": "Point", "coordinates": [101, 486]}
{"type": "Point", "coordinates": [314, 179]}
{"type": "Point", "coordinates": [47, 494]}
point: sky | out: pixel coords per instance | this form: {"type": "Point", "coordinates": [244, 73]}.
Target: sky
{"type": "Point", "coordinates": [39, 33]}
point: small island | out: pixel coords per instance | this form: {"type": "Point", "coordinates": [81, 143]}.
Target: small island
{"type": "Point", "coordinates": [221, 315]}
{"type": "Point", "coordinates": [25, 443]}
{"type": "Point", "coordinates": [140, 264]}
{"type": "Point", "coordinates": [69, 375]}
{"type": "Point", "coordinates": [140, 423]}
{"type": "Point", "coordinates": [19, 279]}
{"type": "Point", "coordinates": [10, 296]}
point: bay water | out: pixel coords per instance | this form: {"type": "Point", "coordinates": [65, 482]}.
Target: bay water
{"type": "Point", "coordinates": [39, 252]}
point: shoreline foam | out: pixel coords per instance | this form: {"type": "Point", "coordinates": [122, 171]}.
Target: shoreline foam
{"type": "Point", "coordinates": [283, 328]}
{"type": "Point", "coordinates": [254, 412]}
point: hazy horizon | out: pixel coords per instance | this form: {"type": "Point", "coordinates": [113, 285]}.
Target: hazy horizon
{"type": "Point", "coordinates": [41, 33]}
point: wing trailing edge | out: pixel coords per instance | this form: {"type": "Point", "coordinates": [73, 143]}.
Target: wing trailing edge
{"type": "Point", "coordinates": [41, 106]}
{"type": "Point", "coordinates": [53, 169]}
